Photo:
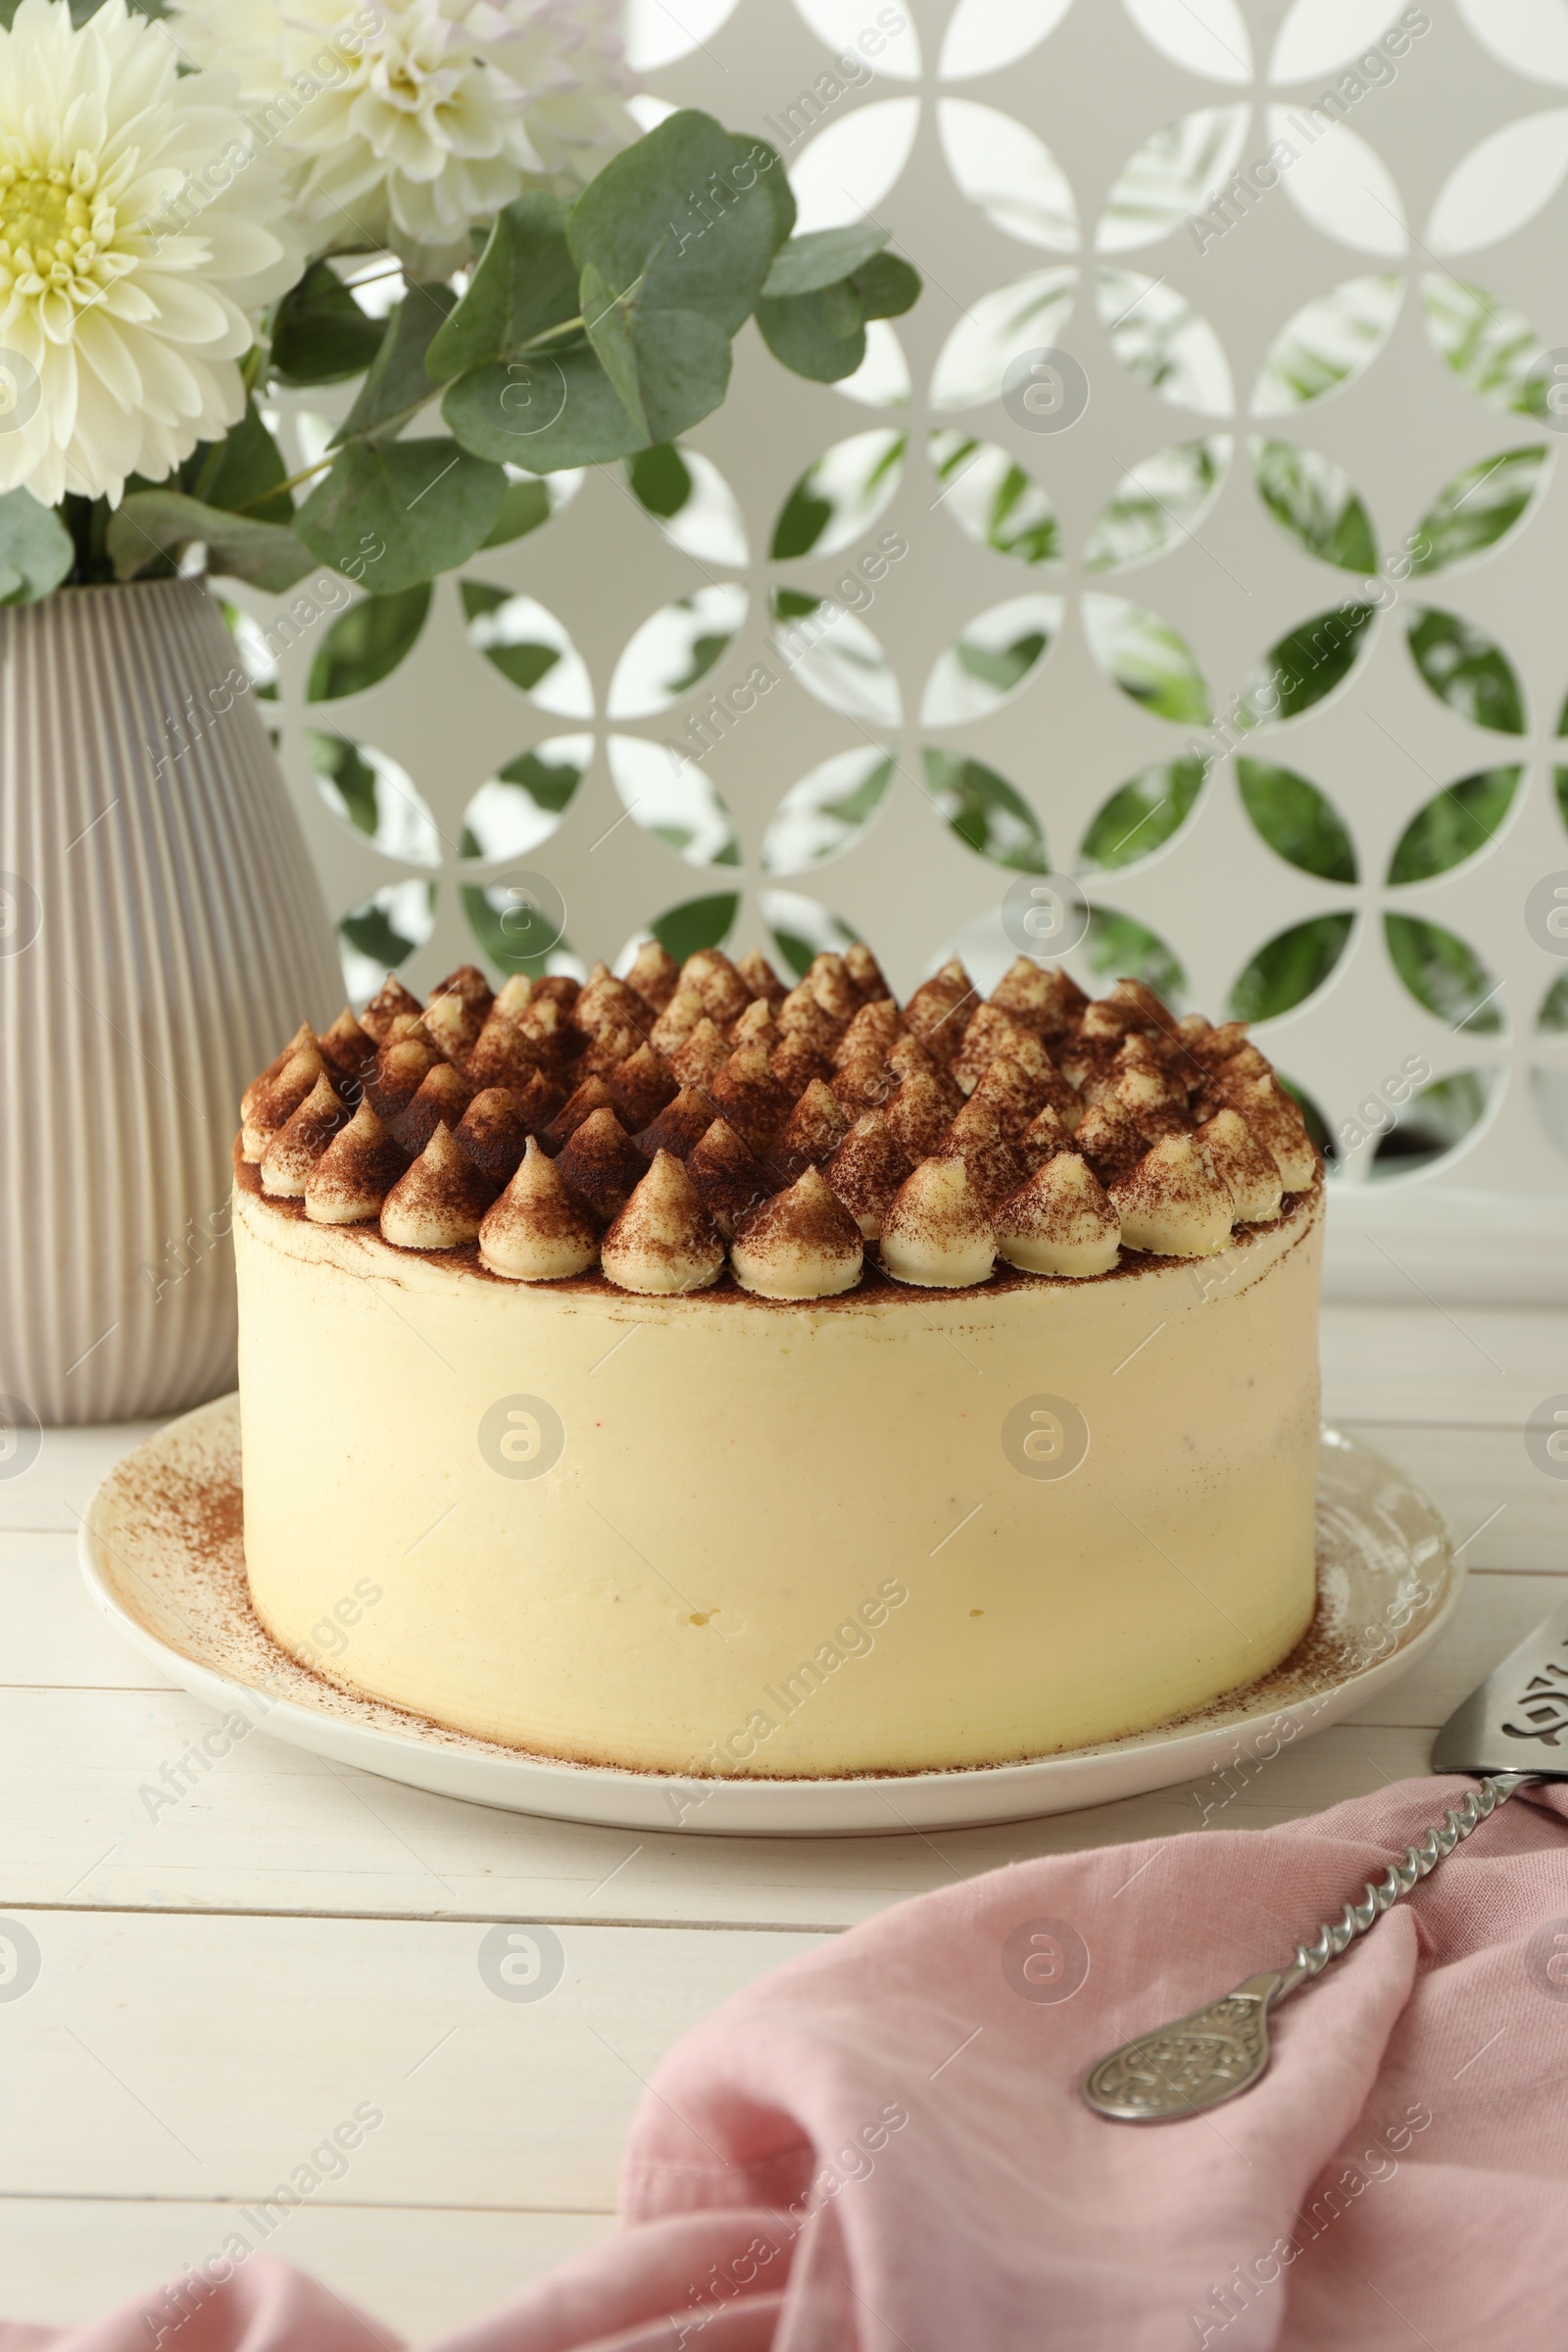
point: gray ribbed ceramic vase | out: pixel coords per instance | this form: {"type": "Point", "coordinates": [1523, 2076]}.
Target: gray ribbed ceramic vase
{"type": "Point", "coordinates": [161, 936]}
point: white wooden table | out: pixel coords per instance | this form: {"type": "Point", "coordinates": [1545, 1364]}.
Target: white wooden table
{"type": "Point", "coordinates": [224, 1980]}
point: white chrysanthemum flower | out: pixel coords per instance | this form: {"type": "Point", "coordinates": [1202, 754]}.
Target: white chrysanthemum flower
{"type": "Point", "coordinates": [137, 230]}
{"type": "Point", "coordinates": [410, 120]}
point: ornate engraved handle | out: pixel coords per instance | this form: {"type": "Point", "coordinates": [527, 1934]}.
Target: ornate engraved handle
{"type": "Point", "coordinates": [1214, 2054]}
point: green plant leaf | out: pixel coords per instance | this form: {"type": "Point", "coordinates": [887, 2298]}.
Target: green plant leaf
{"type": "Point", "coordinates": [1157, 504]}
{"type": "Point", "coordinates": [1307, 665]}
{"type": "Point", "coordinates": [993, 501]}
{"type": "Point", "coordinates": [669, 367]}
{"type": "Point", "coordinates": [548, 783]}
{"type": "Point", "coordinates": [661, 479]}
{"type": "Point", "coordinates": [679, 222]}
{"type": "Point", "coordinates": [397, 387]}
{"type": "Point", "coordinates": [336, 758]}
{"type": "Point", "coordinates": [82, 10]}
{"type": "Point", "coordinates": [1000, 667]}
{"type": "Point", "coordinates": [1433, 1122]}
{"type": "Point", "coordinates": [1115, 944]}
{"type": "Point", "coordinates": [321, 335]}
{"type": "Point", "coordinates": [1142, 816]}
{"type": "Point", "coordinates": [1454, 825]}
{"type": "Point", "coordinates": [802, 929]}
{"type": "Point", "coordinates": [1315, 502]}
{"type": "Point", "coordinates": [36, 551]}
{"type": "Point", "coordinates": [371, 929]}
{"type": "Point", "coordinates": [1148, 659]}
{"type": "Point", "coordinates": [821, 258]}
{"type": "Point", "coordinates": [431, 502]}
{"type": "Point", "coordinates": [1327, 343]}
{"type": "Point", "coordinates": [245, 468]}
{"type": "Point", "coordinates": [695, 923]}
{"type": "Point", "coordinates": [841, 496]}
{"type": "Point", "coordinates": [525, 284]}
{"type": "Point", "coordinates": [1482, 505]}
{"type": "Point", "coordinates": [366, 643]}
{"type": "Point", "coordinates": [1493, 349]}
{"type": "Point", "coordinates": [887, 286]}
{"type": "Point", "coordinates": [161, 522]}
{"type": "Point", "coordinates": [1300, 823]}
{"type": "Point", "coordinates": [775, 181]}
{"type": "Point", "coordinates": [1290, 969]}
{"type": "Point", "coordinates": [818, 335]}
{"type": "Point", "coordinates": [610, 331]}
{"type": "Point", "coordinates": [525, 662]}
{"type": "Point", "coordinates": [985, 812]}
{"type": "Point", "coordinates": [1465, 669]}
{"type": "Point", "coordinates": [489, 921]}
{"type": "Point", "coordinates": [371, 792]}
{"type": "Point", "coordinates": [1552, 1017]}
{"type": "Point", "coordinates": [827, 810]}
{"type": "Point", "coordinates": [1442, 973]}
{"type": "Point", "coordinates": [524, 507]}
{"type": "Point", "coordinates": [555, 410]}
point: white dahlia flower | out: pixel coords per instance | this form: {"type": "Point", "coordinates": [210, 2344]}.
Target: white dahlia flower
{"type": "Point", "coordinates": [137, 230]}
{"type": "Point", "coordinates": [407, 122]}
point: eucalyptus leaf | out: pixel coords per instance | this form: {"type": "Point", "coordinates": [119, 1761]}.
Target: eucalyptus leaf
{"type": "Point", "coordinates": [320, 334]}
{"type": "Point", "coordinates": [609, 332]}
{"type": "Point", "coordinates": [244, 470]}
{"type": "Point", "coordinates": [680, 221]}
{"type": "Point", "coordinates": [669, 367]}
{"type": "Point", "coordinates": [819, 335]}
{"type": "Point", "coordinates": [36, 551]}
{"type": "Point", "coordinates": [397, 387]}
{"type": "Point", "coordinates": [821, 258]}
{"type": "Point", "coordinates": [161, 522]}
{"type": "Point", "coordinates": [661, 479]}
{"type": "Point", "coordinates": [524, 505]}
{"type": "Point", "coordinates": [428, 501]}
{"type": "Point", "coordinates": [773, 180]}
{"type": "Point", "coordinates": [366, 643]}
{"type": "Point", "coordinates": [885, 286]}
{"type": "Point", "coordinates": [556, 409]}
{"type": "Point", "coordinates": [525, 284]}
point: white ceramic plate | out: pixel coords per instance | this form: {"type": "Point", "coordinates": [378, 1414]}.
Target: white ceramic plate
{"type": "Point", "coordinates": [162, 1553]}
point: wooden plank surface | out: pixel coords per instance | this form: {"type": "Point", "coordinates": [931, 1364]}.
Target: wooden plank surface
{"type": "Point", "coordinates": [419, 2271]}
{"type": "Point", "coordinates": [206, 2057]}
{"type": "Point", "coordinates": [224, 1977]}
{"type": "Point", "coordinates": [270, 1828]}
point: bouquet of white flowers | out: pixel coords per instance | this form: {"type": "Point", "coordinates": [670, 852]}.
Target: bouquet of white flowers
{"type": "Point", "coordinates": [185, 202]}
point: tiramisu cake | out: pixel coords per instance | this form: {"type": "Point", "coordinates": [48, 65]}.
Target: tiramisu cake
{"type": "Point", "coordinates": [711, 1377]}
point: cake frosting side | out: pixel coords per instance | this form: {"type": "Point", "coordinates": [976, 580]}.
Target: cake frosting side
{"type": "Point", "coordinates": [720, 1378]}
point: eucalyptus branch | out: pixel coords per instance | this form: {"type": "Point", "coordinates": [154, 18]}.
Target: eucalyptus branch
{"type": "Point", "coordinates": [307, 473]}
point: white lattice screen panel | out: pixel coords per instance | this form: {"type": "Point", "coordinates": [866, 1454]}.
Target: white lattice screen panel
{"type": "Point", "coordinates": [1210, 500]}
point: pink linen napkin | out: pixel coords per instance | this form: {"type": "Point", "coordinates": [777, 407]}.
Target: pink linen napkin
{"type": "Point", "coordinates": [883, 2145]}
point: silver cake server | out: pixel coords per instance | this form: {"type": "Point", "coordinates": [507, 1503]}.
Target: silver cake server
{"type": "Point", "coordinates": [1512, 1731]}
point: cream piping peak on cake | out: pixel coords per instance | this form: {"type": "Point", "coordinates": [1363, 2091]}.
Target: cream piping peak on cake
{"type": "Point", "coordinates": [687, 1116]}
